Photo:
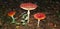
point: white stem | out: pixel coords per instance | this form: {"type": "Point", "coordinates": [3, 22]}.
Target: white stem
{"type": "Point", "coordinates": [55, 25]}
{"type": "Point", "coordinates": [28, 15]}
{"type": "Point", "coordinates": [13, 21]}
{"type": "Point", "coordinates": [38, 23]}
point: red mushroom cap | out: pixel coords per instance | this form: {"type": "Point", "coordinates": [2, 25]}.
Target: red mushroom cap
{"type": "Point", "coordinates": [28, 6]}
{"type": "Point", "coordinates": [39, 16]}
{"type": "Point", "coordinates": [11, 13]}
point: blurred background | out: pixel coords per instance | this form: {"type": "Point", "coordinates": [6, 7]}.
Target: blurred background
{"type": "Point", "coordinates": [50, 7]}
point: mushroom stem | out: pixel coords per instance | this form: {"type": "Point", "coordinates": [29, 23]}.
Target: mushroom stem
{"type": "Point", "coordinates": [55, 25]}
{"type": "Point", "coordinates": [38, 22]}
{"type": "Point", "coordinates": [13, 21]}
{"type": "Point", "coordinates": [28, 15]}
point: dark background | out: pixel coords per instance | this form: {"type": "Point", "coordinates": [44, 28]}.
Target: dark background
{"type": "Point", "coordinates": [50, 7]}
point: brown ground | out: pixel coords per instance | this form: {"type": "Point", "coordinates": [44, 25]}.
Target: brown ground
{"type": "Point", "coordinates": [50, 7]}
